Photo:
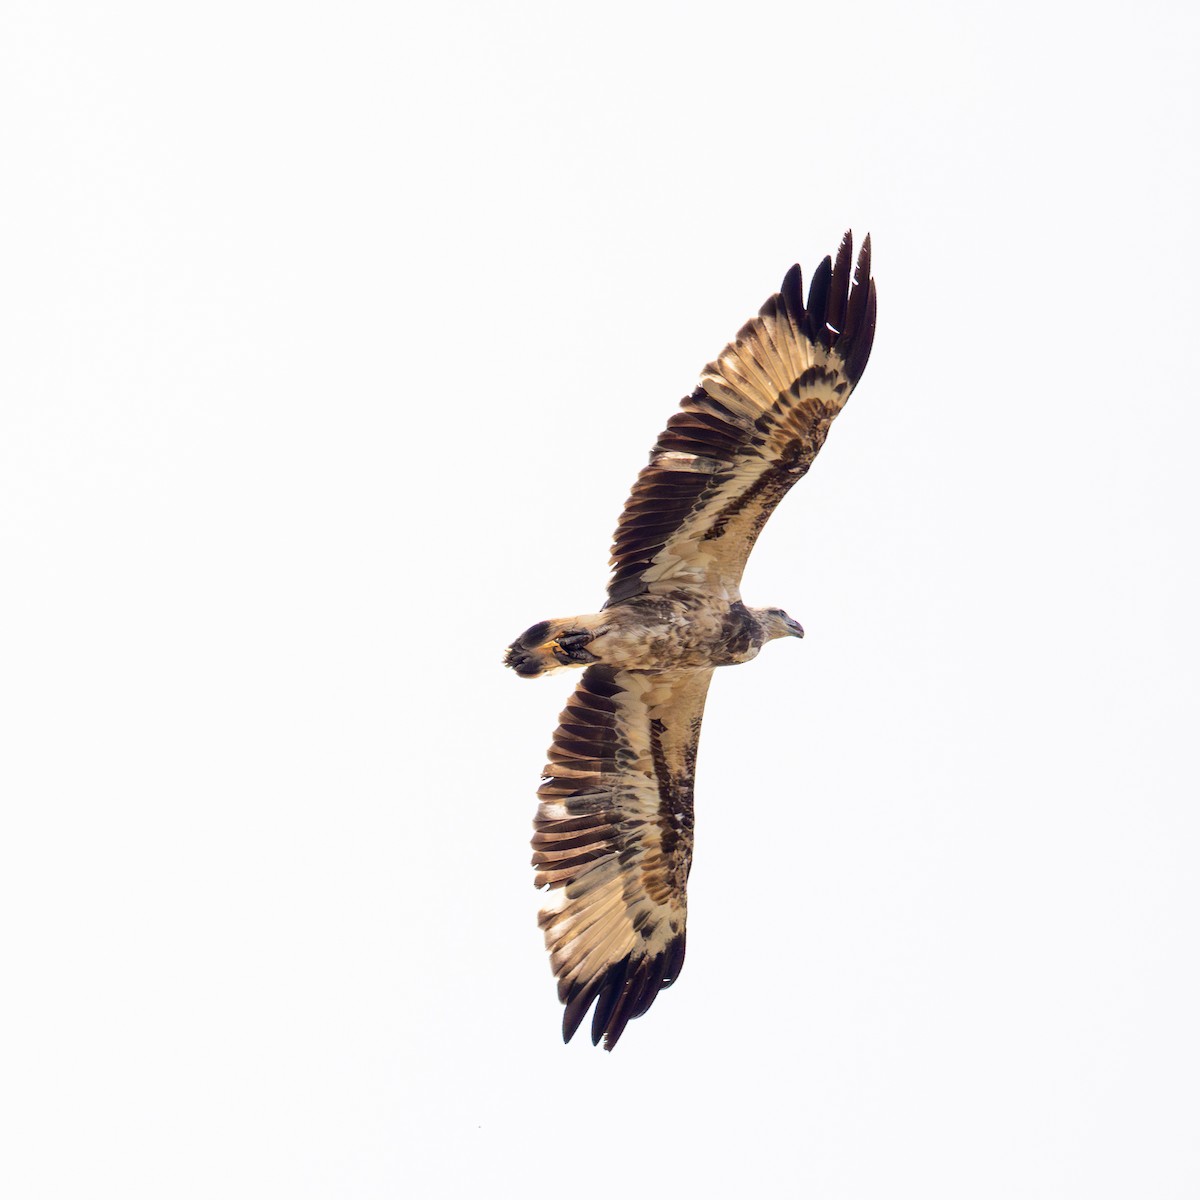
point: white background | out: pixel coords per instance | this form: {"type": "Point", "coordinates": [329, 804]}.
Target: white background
{"type": "Point", "coordinates": [333, 337]}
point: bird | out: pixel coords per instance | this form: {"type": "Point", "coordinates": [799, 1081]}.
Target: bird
{"type": "Point", "coordinates": [613, 834]}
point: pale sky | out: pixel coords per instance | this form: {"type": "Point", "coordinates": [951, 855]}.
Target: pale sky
{"type": "Point", "coordinates": [333, 338]}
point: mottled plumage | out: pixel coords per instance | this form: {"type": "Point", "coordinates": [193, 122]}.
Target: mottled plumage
{"type": "Point", "coordinates": [613, 834]}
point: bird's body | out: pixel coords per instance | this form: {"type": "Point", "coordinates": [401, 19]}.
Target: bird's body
{"type": "Point", "coordinates": [613, 834]}
{"type": "Point", "coordinates": [676, 630]}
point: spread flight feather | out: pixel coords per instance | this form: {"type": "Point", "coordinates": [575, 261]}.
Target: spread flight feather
{"type": "Point", "coordinates": [613, 833]}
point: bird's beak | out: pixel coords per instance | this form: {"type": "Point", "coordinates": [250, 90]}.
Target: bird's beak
{"type": "Point", "coordinates": [794, 627]}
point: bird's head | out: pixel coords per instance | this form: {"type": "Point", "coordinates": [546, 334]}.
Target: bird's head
{"type": "Point", "coordinates": [776, 623]}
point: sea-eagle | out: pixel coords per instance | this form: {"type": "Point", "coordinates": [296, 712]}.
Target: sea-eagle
{"type": "Point", "coordinates": [613, 832]}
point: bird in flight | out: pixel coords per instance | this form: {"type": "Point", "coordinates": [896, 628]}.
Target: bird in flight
{"type": "Point", "coordinates": [613, 832]}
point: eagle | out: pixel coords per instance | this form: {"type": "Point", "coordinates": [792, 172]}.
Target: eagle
{"type": "Point", "coordinates": [612, 837]}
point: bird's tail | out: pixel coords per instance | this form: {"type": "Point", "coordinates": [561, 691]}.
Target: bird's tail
{"type": "Point", "coordinates": [551, 645]}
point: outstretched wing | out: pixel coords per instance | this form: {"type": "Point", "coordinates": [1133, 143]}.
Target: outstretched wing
{"type": "Point", "coordinates": [746, 434]}
{"type": "Point", "coordinates": [613, 841]}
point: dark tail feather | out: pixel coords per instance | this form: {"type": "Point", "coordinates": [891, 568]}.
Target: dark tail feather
{"type": "Point", "coordinates": [522, 655]}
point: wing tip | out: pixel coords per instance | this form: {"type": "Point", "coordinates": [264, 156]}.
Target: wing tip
{"type": "Point", "coordinates": [622, 993]}
{"type": "Point", "coordinates": [851, 307]}
{"type": "Point", "coordinates": [840, 311]}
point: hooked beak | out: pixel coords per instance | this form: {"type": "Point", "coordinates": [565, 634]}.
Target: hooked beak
{"type": "Point", "coordinates": [794, 627]}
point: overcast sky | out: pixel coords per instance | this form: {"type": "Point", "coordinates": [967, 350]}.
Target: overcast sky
{"type": "Point", "coordinates": [333, 337]}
